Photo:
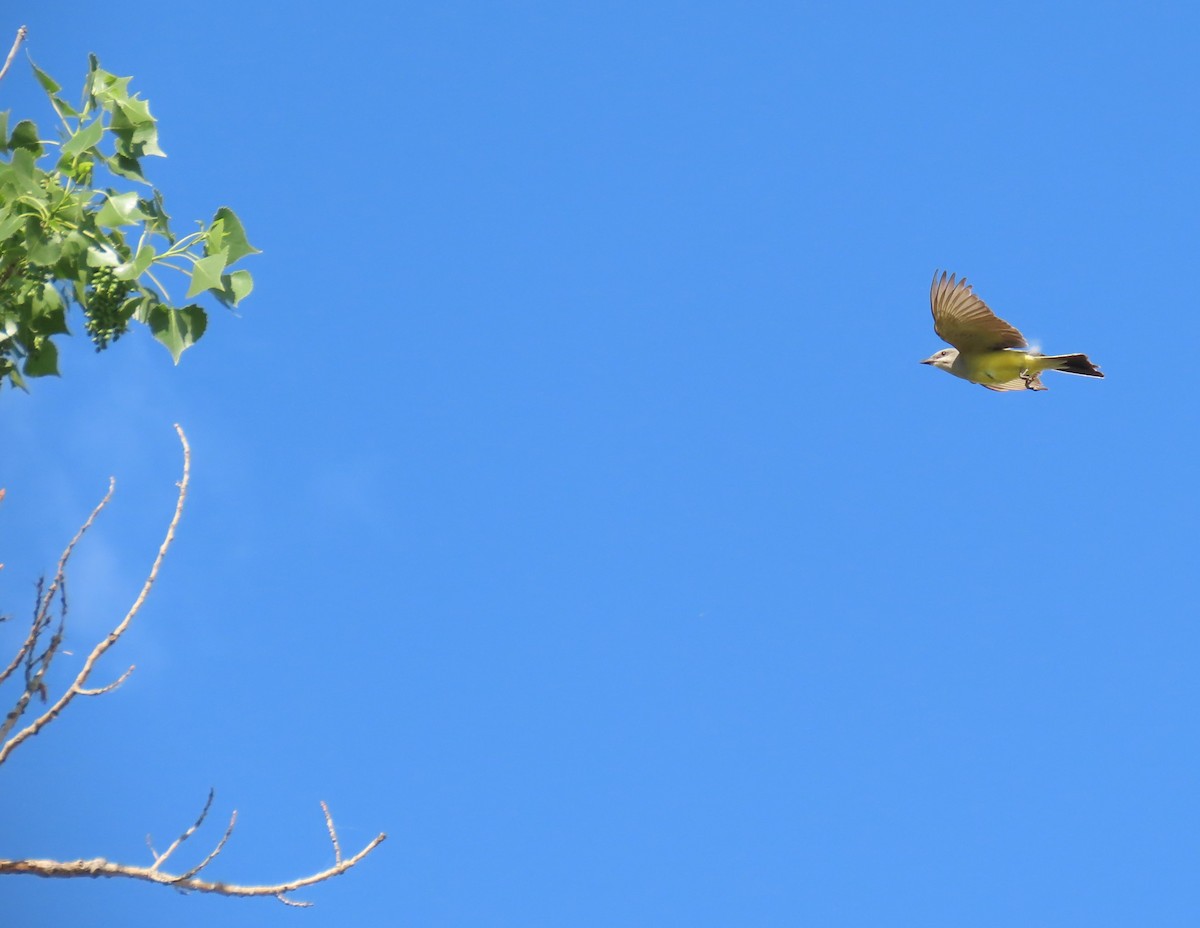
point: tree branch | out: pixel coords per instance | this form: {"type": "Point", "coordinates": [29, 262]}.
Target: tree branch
{"type": "Point", "coordinates": [12, 52]}
{"type": "Point", "coordinates": [187, 881]}
{"type": "Point", "coordinates": [46, 600]}
{"type": "Point", "coordinates": [159, 859]}
{"type": "Point", "coordinates": [36, 665]}
{"type": "Point", "coordinates": [78, 687]}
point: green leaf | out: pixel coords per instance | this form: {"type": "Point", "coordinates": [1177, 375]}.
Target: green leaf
{"type": "Point", "coordinates": [42, 360]}
{"type": "Point", "coordinates": [24, 173]}
{"type": "Point", "coordinates": [89, 98]}
{"type": "Point", "coordinates": [49, 84]}
{"type": "Point", "coordinates": [25, 136]}
{"type": "Point", "coordinates": [109, 90]}
{"type": "Point", "coordinates": [75, 246]}
{"type": "Point", "coordinates": [135, 129]}
{"type": "Point", "coordinates": [124, 166]}
{"type": "Point", "coordinates": [9, 224]}
{"type": "Point", "coordinates": [120, 210]}
{"type": "Point", "coordinates": [132, 270]}
{"type": "Point", "coordinates": [84, 139]}
{"type": "Point", "coordinates": [15, 376]}
{"type": "Point", "coordinates": [143, 307]}
{"type": "Point", "coordinates": [233, 236]}
{"type": "Point", "coordinates": [235, 287]}
{"type": "Point", "coordinates": [178, 329]}
{"type": "Point", "coordinates": [157, 219]}
{"type": "Point", "coordinates": [41, 245]}
{"type": "Point", "coordinates": [206, 274]}
{"type": "Point", "coordinates": [214, 237]}
{"type": "Point", "coordinates": [64, 109]}
{"type": "Point", "coordinates": [49, 315]}
{"type": "Point", "coordinates": [102, 257]}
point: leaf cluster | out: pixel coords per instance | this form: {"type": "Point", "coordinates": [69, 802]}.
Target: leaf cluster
{"type": "Point", "coordinates": [67, 241]}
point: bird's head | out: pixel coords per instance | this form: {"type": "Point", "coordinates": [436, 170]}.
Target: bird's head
{"type": "Point", "coordinates": [943, 359]}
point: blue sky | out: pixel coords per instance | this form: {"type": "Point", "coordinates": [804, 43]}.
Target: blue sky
{"type": "Point", "coordinates": [568, 501]}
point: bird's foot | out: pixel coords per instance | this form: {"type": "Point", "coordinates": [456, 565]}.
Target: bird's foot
{"type": "Point", "coordinates": [1032, 381]}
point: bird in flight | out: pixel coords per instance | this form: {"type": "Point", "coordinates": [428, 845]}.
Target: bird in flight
{"type": "Point", "coordinates": [987, 350]}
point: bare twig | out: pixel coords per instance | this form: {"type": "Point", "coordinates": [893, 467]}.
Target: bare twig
{"type": "Point", "coordinates": [188, 833]}
{"type": "Point", "coordinates": [99, 867]}
{"type": "Point", "coordinates": [37, 665]}
{"type": "Point", "coordinates": [101, 690]}
{"type": "Point", "coordinates": [12, 52]}
{"type": "Point", "coordinates": [46, 599]}
{"type": "Point", "coordinates": [215, 851]}
{"type": "Point", "coordinates": [337, 848]}
{"type": "Point", "coordinates": [78, 686]}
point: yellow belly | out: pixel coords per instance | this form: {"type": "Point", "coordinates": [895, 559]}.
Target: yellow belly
{"type": "Point", "coordinates": [989, 367]}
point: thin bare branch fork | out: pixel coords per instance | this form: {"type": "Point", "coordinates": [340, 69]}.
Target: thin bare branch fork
{"type": "Point", "coordinates": [34, 657]}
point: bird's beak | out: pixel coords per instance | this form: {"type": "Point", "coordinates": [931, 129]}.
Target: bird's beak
{"type": "Point", "coordinates": [927, 361]}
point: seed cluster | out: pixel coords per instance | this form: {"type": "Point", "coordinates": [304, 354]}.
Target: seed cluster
{"type": "Point", "coordinates": [105, 321]}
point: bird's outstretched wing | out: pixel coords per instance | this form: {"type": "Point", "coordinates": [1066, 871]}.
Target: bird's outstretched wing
{"type": "Point", "coordinates": [964, 320]}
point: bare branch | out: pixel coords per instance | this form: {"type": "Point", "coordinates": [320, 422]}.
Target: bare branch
{"type": "Point", "coordinates": [78, 687]}
{"type": "Point", "coordinates": [12, 52]}
{"type": "Point", "coordinates": [99, 867]}
{"type": "Point", "coordinates": [46, 599]}
{"type": "Point", "coordinates": [29, 644]}
{"type": "Point", "coordinates": [337, 848]}
{"type": "Point", "coordinates": [101, 690]}
{"type": "Point", "coordinates": [215, 851]}
{"type": "Point", "coordinates": [36, 664]}
{"type": "Point", "coordinates": [188, 833]}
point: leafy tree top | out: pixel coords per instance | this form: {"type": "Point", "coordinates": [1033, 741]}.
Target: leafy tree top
{"type": "Point", "coordinates": [65, 240]}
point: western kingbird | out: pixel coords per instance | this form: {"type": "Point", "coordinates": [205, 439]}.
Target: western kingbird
{"type": "Point", "coordinates": [983, 341]}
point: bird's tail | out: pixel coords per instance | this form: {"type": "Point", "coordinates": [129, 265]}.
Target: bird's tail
{"type": "Point", "coordinates": [1070, 364]}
